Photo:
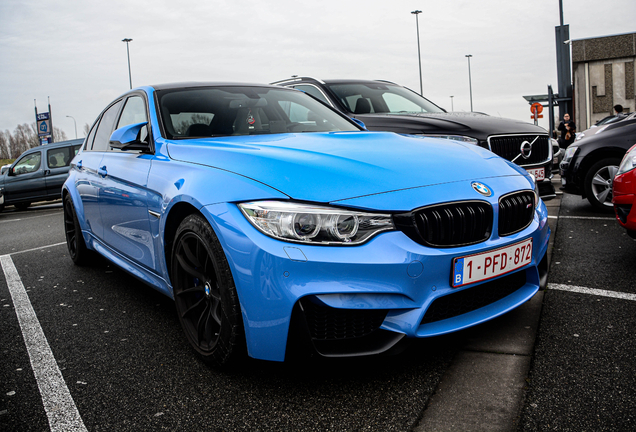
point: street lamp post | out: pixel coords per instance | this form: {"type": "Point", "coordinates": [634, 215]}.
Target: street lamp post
{"type": "Point", "coordinates": [127, 40]}
{"type": "Point", "coordinates": [470, 83]}
{"type": "Point", "coordinates": [419, 56]}
{"type": "Point", "coordinates": [74, 122]}
{"type": "Point", "coordinates": [452, 109]}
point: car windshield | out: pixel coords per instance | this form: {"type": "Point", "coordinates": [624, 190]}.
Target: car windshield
{"type": "Point", "coordinates": [368, 98]}
{"type": "Point", "coordinates": [224, 111]}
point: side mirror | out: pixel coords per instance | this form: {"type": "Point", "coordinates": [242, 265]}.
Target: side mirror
{"type": "Point", "coordinates": [127, 138]}
{"type": "Point", "coordinates": [359, 123]}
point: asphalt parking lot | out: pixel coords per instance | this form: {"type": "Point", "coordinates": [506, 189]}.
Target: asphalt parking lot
{"type": "Point", "coordinates": [583, 374]}
{"type": "Point", "coordinates": [121, 362]}
{"type": "Point", "coordinates": [128, 367]}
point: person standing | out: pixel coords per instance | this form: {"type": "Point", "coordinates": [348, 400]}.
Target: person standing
{"type": "Point", "coordinates": [568, 131]}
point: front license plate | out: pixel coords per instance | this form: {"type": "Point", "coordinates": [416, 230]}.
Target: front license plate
{"type": "Point", "coordinates": [538, 173]}
{"type": "Point", "coordinates": [486, 265]}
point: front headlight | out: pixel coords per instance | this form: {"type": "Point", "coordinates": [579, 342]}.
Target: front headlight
{"type": "Point", "coordinates": [537, 196]}
{"type": "Point", "coordinates": [629, 161]}
{"type": "Point", "coordinates": [569, 153]}
{"type": "Point", "coordinates": [464, 139]}
{"type": "Point", "coordinates": [312, 224]}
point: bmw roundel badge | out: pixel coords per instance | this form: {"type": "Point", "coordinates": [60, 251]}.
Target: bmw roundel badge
{"type": "Point", "coordinates": [481, 188]}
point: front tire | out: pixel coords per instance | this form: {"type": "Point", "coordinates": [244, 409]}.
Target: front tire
{"type": "Point", "coordinates": [205, 295]}
{"type": "Point", "coordinates": [598, 183]}
{"type": "Point", "coordinates": [77, 249]}
{"type": "Point", "coordinates": [22, 206]}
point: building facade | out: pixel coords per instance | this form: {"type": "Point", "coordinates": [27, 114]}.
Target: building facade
{"type": "Point", "coordinates": [603, 74]}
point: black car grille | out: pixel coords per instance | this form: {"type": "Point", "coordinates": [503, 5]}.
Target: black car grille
{"type": "Point", "coordinates": [509, 147]}
{"type": "Point", "coordinates": [448, 225]}
{"type": "Point", "coordinates": [471, 299]}
{"type": "Point", "coordinates": [327, 323]}
{"type": "Point", "coordinates": [516, 211]}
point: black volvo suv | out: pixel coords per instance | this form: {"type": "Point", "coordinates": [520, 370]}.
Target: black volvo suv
{"type": "Point", "coordinates": [385, 106]}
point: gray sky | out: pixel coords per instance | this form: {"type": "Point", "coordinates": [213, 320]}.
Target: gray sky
{"type": "Point", "coordinates": [71, 51]}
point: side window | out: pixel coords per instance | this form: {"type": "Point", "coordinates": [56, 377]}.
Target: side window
{"type": "Point", "coordinates": [134, 112]}
{"type": "Point", "coordinates": [312, 91]}
{"type": "Point", "coordinates": [28, 164]}
{"type": "Point", "coordinates": [59, 157]}
{"type": "Point", "coordinates": [91, 136]}
{"type": "Point", "coordinates": [106, 127]}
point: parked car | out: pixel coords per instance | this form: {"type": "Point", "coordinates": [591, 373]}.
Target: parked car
{"type": "Point", "coordinates": [589, 165]}
{"type": "Point", "coordinates": [604, 121]}
{"type": "Point", "coordinates": [624, 192]}
{"type": "Point", "coordinates": [271, 219]}
{"type": "Point", "coordinates": [37, 175]}
{"type": "Point", "coordinates": [386, 106]}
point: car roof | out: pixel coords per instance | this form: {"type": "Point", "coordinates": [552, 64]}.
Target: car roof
{"type": "Point", "coordinates": [57, 144]}
{"type": "Point", "coordinates": [332, 81]}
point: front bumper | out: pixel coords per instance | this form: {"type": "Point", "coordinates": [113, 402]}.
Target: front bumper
{"type": "Point", "coordinates": [624, 198]}
{"type": "Point", "coordinates": [364, 299]}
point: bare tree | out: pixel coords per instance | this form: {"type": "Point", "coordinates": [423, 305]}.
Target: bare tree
{"type": "Point", "coordinates": [87, 129]}
{"type": "Point", "coordinates": [5, 148]}
{"type": "Point", "coordinates": [59, 135]}
{"type": "Point", "coordinates": [23, 138]}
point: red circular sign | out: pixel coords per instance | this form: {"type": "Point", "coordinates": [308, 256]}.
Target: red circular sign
{"type": "Point", "coordinates": [536, 107]}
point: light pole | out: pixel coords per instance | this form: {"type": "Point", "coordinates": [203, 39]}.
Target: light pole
{"type": "Point", "coordinates": [74, 122]}
{"type": "Point", "coordinates": [127, 40]}
{"type": "Point", "coordinates": [419, 56]}
{"type": "Point", "coordinates": [470, 83]}
{"type": "Point", "coordinates": [452, 109]}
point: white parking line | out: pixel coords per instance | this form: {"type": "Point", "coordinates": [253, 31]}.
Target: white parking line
{"type": "Point", "coordinates": [588, 218]}
{"type": "Point", "coordinates": [38, 248]}
{"type": "Point", "coordinates": [593, 291]}
{"type": "Point", "coordinates": [59, 405]}
{"type": "Point", "coordinates": [30, 217]}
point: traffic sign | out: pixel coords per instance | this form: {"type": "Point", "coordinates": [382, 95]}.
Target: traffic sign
{"type": "Point", "coordinates": [536, 109]}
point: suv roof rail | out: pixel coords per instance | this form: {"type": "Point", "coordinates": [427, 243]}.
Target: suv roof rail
{"type": "Point", "coordinates": [295, 78]}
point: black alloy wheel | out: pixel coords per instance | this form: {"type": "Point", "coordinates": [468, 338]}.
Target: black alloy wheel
{"type": "Point", "coordinates": [74, 239]}
{"type": "Point", "coordinates": [204, 292]}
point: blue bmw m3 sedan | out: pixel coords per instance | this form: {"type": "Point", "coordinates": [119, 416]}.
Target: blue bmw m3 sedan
{"type": "Point", "coordinates": [264, 213]}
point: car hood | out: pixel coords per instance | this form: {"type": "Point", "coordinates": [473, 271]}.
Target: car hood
{"type": "Point", "coordinates": [325, 167]}
{"type": "Point", "coordinates": [475, 125]}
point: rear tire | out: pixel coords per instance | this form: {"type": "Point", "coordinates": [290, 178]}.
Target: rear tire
{"type": "Point", "coordinates": [598, 183]}
{"type": "Point", "coordinates": [204, 292]}
{"type": "Point", "coordinates": [77, 249]}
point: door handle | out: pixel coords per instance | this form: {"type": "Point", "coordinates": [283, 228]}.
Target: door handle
{"type": "Point", "coordinates": [47, 172]}
{"type": "Point", "coordinates": [102, 171]}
